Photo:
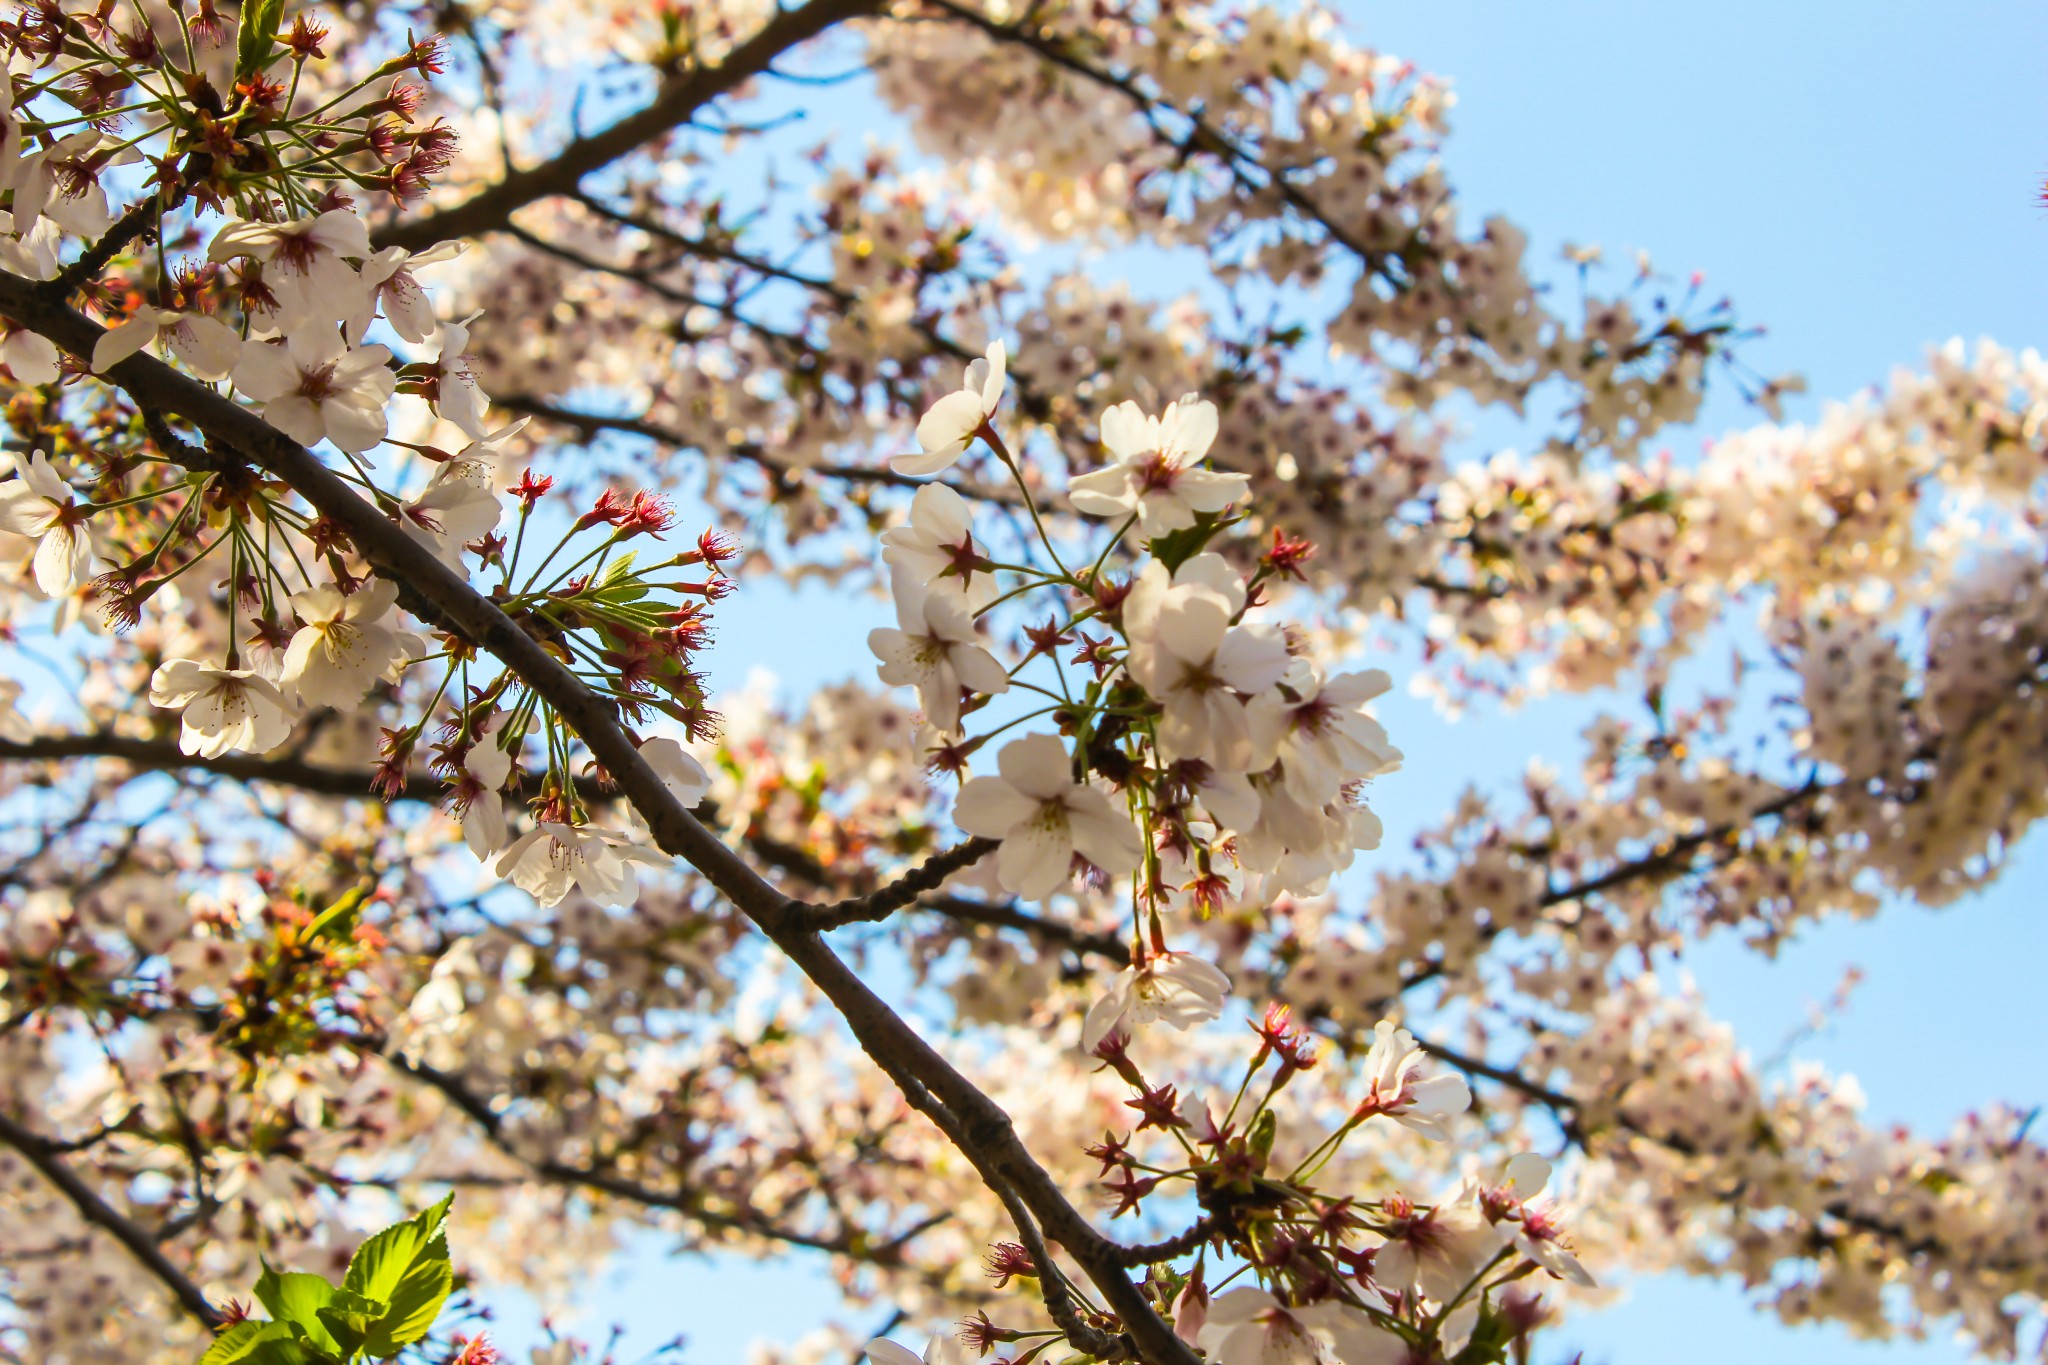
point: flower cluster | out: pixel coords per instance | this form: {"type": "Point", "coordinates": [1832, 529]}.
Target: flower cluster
{"type": "Point", "coordinates": [1204, 756]}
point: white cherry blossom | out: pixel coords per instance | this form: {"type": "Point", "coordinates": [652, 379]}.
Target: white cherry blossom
{"type": "Point", "coordinates": [305, 264]}
{"type": "Point", "coordinates": [943, 1349]}
{"type": "Point", "coordinates": [1249, 1326]}
{"type": "Point", "coordinates": [33, 252]}
{"type": "Point", "coordinates": [1396, 1087]}
{"type": "Point", "coordinates": [1043, 818]}
{"type": "Point", "coordinates": [1320, 733]}
{"type": "Point", "coordinates": [934, 648]}
{"type": "Point", "coordinates": [77, 204]}
{"type": "Point", "coordinates": [678, 770]}
{"type": "Point", "coordinates": [225, 709]}
{"type": "Point", "coordinates": [389, 283]}
{"type": "Point", "coordinates": [207, 346]}
{"type": "Point", "coordinates": [40, 505]}
{"type": "Point", "coordinates": [345, 648]}
{"type": "Point", "coordinates": [458, 505]}
{"type": "Point", "coordinates": [1174, 989]}
{"type": "Point", "coordinates": [1435, 1251]}
{"type": "Point", "coordinates": [479, 790]}
{"type": "Point", "coordinates": [1202, 669]}
{"type": "Point", "coordinates": [552, 859]}
{"type": "Point", "coordinates": [30, 357]}
{"type": "Point", "coordinates": [936, 549]}
{"type": "Point", "coordinates": [950, 426]}
{"type": "Point", "coordinates": [313, 386]}
{"type": "Point", "coordinates": [457, 397]}
{"type": "Point", "coordinates": [1533, 1228]}
{"type": "Point", "coordinates": [1157, 477]}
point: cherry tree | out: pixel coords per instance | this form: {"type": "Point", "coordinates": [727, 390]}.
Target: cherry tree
{"type": "Point", "coordinates": [402, 907]}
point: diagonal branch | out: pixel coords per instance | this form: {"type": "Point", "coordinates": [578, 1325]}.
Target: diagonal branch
{"type": "Point", "coordinates": [444, 596]}
{"type": "Point", "coordinates": [678, 101]}
{"type": "Point", "coordinates": [42, 1154]}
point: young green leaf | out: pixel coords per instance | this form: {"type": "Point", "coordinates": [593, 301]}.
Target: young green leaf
{"type": "Point", "coordinates": [257, 1343]}
{"type": "Point", "coordinates": [382, 1262]}
{"type": "Point", "coordinates": [256, 39]}
{"type": "Point", "coordinates": [297, 1298]}
{"type": "Point", "coordinates": [339, 918]}
{"type": "Point", "coordinates": [351, 1318]}
{"type": "Point", "coordinates": [404, 1267]}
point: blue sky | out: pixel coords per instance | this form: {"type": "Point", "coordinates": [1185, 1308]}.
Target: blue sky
{"type": "Point", "coordinates": [1862, 180]}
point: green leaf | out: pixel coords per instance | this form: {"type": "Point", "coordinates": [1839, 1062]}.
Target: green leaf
{"type": "Point", "coordinates": [351, 1318]}
{"type": "Point", "coordinates": [383, 1261]}
{"type": "Point", "coordinates": [405, 1267]}
{"type": "Point", "coordinates": [617, 569]}
{"type": "Point", "coordinates": [1176, 548]}
{"type": "Point", "coordinates": [339, 919]}
{"type": "Point", "coordinates": [298, 1298]}
{"type": "Point", "coordinates": [257, 1343]}
{"type": "Point", "coordinates": [256, 40]}
{"type": "Point", "coordinates": [414, 1306]}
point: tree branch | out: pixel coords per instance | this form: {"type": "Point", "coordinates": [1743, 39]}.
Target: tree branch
{"type": "Point", "coordinates": [674, 105]}
{"type": "Point", "coordinates": [589, 424]}
{"type": "Point", "coordinates": [988, 1136]}
{"type": "Point", "coordinates": [40, 1153]}
{"type": "Point", "coordinates": [888, 1252]}
{"type": "Point", "coordinates": [926, 876]}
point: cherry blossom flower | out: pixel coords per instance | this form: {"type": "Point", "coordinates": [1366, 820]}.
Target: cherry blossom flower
{"type": "Point", "coordinates": [457, 396]}
{"type": "Point", "coordinates": [208, 346]}
{"type": "Point", "coordinates": [30, 357]}
{"type": "Point", "coordinates": [943, 1349]}
{"type": "Point", "coordinates": [1155, 478]}
{"type": "Point", "coordinates": [1249, 1326]}
{"type": "Point", "coordinates": [1320, 733]}
{"type": "Point", "coordinates": [1044, 818]}
{"type": "Point", "coordinates": [225, 709]}
{"type": "Point", "coordinates": [76, 203]}
{"type": "Point", "coordinates": [1171, 988]}
{"type": "Point", "coordinates": [458, 505]}
{"type": "Point", "coordinates": [1396, 1087]}
{"type": "Point", "coordinates": [933, 647]}
{"type": "Point", "coordinates": [39, 504]}
{"type": "Point", "coordinates": [950, 426]}
{"type": "Point", "coordinates": [344, 647]}
{"type": "Point", "coordinates": [678, 770]}
{"type": "Point", "coordinates": [1301, 846]}
{"type": "Point", "coordinates": [305, 264]}
{"type": "Point", "coordinates": [388, 282]}
{"type": "Point", "coordinates": [32, 253]}
{"type": "Point", "coordinates": [313, 386]}
{"type": "Point", "coordinates": [1533, 1229]}
{"type": "Point", "coordinates": [1201, 669]}
{"type": "Point", "coordinates": [479, 790]}
{"type": "Point", "coordinates": [937, 550]}
{"type": "Point", "coordinates": [1434, 1251]}
{"type": "Point", "coordinates": [550, 860]}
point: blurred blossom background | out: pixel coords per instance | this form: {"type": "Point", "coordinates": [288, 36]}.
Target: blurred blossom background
{"type": "Point", "coordinates": [1864, 181]}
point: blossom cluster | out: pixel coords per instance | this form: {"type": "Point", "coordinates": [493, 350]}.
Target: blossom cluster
{"type": "Point", "coordinates": [259, 1015]}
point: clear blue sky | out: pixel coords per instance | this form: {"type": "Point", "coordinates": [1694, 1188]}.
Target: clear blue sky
{"type": "Point", "coordinates": [1862, 179]}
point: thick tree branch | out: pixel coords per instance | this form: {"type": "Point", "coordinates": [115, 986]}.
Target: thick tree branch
{"type": "Point", "coordinates": [40, 1153]}
{"type": "Point", "coordinates": [988, 1136]}
{"type": "Point", "coordinates": [678, 101]}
